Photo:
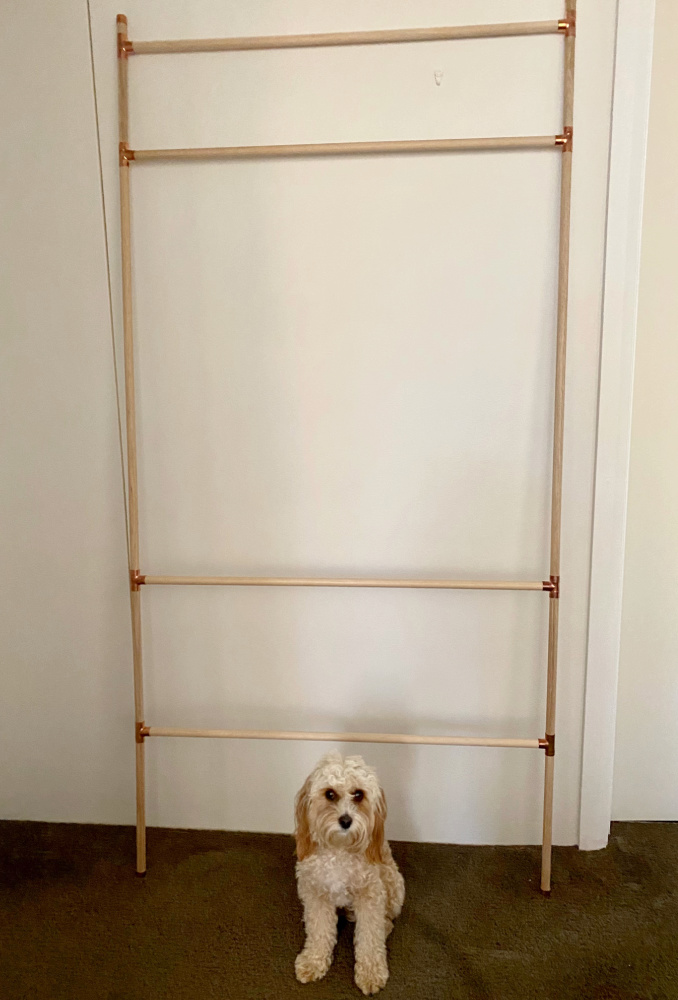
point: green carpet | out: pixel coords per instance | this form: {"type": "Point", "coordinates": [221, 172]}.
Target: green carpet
{"type": "Point", "coordinates": [217, 917]}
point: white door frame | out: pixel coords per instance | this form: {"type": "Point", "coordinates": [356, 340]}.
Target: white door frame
{"type": "Point", "coordinates": [630, 115]}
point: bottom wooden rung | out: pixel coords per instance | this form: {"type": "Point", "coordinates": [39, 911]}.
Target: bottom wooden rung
{"type": "Point", "coordinates": [279, 734]}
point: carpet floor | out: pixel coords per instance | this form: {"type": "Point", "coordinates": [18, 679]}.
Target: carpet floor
{"type": "Point", "coordinates": [217, 917]}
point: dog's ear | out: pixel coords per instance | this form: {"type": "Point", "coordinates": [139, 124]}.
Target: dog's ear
{"type": "Point", "coordinates": [302, 830]}
{"type": "Point", "coordinates": [375, 848]}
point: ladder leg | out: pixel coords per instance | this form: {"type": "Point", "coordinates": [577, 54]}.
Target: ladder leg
{"type": "Point", "coordinates": [141, 809]}
{"type": "Point", "coordinates": [130, 423]}
{"type": "Point", "coordinates": [558, 429]}
{"type": "Point", "coordinates": [139, 721]}
{"type": "Point", "coordinates": [547, 839]}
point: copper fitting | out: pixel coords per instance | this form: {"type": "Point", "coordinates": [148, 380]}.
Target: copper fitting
{"type": "Point", "coordinates": [548, 743]}
{"type": "Point", "coordinates": [124, 44]}
{"type": "Point", "coordinates": [140, 732]}
{"type": "Point", "coordinates": [569, 25]}
{"type": "Point", "coordinates": [566, 139]}
{"type": "Point", "coordinates": [136, 579]}
{"type": "Point", "coordinates": [552, 585]}
{"type": "Point", "coordinates": [126, 154]}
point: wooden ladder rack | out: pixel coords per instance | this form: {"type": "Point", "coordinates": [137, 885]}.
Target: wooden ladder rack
{"type": "Point", "coordinates": [127, 156]}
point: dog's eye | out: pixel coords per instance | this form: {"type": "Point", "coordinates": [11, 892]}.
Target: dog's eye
{"type": "Point", "coordinates": [358, 795]}
{"type": "Point", "coordinates": [330, 794]}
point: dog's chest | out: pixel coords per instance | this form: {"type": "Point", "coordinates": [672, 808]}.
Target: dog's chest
{"type": "Point", "coordinates": [338, 876]}
{"type": "Point", "coordinates": [338, 883]}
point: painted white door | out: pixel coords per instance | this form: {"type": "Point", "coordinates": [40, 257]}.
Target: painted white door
{"type": "Point", "coordinates": [345, 367]}
{"type": "Point", "coordinates": [646, 756]}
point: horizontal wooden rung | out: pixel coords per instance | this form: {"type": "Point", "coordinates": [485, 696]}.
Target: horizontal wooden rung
{"type": "Point", "coordinates": [377, 148]}
{"type": "Point", "coordinates": [139, 579]}
{"type": "Point", "coordinates": [331, 39]}
{"type": "Point", "coordinates": [280, 734]}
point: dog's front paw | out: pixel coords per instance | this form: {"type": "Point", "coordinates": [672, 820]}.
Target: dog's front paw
{"type": "Point", "coordinates": [371, 976]}
{"type": "Point", "coordinates": [310, 967]}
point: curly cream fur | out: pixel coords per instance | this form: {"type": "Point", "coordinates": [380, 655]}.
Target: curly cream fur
{"type": "Point", "coordinates": [350, 868]}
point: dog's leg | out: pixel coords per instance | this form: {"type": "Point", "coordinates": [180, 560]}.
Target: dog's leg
{"type": "Point", "coordinates": [371, 969]}
{"type": "Point", "coordinates": [320, 920]}
{"type": "Point", "coordinates": [395, 889]}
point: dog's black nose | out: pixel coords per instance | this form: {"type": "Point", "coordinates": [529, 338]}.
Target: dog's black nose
{"type": "Point", "coordinates": [345, 821]}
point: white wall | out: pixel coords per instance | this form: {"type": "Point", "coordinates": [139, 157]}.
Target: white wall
{"type": "Point", "coordinates": [646, 757]}
{"type": "Point", "coordinates": [344, 367]}
{"type": "Point", "coordinates": [64, 684]}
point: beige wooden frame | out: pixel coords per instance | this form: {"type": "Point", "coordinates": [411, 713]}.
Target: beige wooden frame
{"type": "Point", "coordinates": [564, 143]}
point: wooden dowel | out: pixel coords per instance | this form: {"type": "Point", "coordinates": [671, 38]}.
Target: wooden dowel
{"type": "Point", "coordinates": [558, 433]}
{"type": "Point", "coordinates": [568, 90]}
{"type": "Point", "coordinates": [130, 423]}
{"type": "Point", "coordinates": [123, 103]}
{"type": "Point", "coordinates": [547, 831]}
{"type": "Point", "coordinates": [273, 581]}
{"type": "Point", "coordinates": [128, 342]}
{"type": "Point", "coordinates": [140, 758]}
{"type": "Point", "coordinates": [137, 661]}
{"type": "Point", "coordinates": [347, 148]}
{"type": "Point", "coordinates": [561, 336]}
{"type": "Point", "coordinates": [552, 667]}
{"type": "Point", "coordinates": [384, 37]}
{"type": "Point", "coordinates": [280, 734]}
{"type": "Point", "coordinates": [127, 317]}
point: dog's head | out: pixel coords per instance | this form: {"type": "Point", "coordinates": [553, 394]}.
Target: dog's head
{"type": "Point", "coordinates": [341, 805]}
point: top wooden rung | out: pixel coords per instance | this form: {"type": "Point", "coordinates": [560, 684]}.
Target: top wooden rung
{"type": "Point", "coordinates": [342, 38]}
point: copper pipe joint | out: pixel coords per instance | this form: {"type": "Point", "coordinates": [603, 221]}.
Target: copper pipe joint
{"type": "Point", "coordinates": [568, 26]}
{"type": "Point", "coordinates": [124, 44]}
{"type": "Point", "coordinates": [566, 139]}
{"type": "Point", "coordinates": [140, 732]}
{"type": "Point", "coordinates": [548, 743]}
{"type": "Point", "coordinates": [126, 154]}
{"type": "Point", "coordinates": [136, 579]}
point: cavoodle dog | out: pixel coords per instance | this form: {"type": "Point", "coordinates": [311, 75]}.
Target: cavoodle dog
{"type": "Point", "coordinates": [345, 862]}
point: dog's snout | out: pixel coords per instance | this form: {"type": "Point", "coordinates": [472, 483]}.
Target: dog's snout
{"type": "Point", "coordinates": [345, 821]}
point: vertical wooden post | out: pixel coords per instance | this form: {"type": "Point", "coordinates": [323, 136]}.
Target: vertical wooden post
{"type": "Point", "coordinates": [559, 412]}
{"type": "Point", "coordinates": [130, 413]}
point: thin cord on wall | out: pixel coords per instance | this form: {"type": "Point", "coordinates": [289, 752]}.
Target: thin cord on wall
{"type": "Point", "coordinates": [108, 275]}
